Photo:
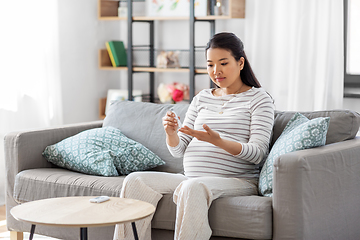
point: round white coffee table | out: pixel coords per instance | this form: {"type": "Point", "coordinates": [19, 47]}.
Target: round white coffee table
{"type": "Point", "coordinates": [80, 212]}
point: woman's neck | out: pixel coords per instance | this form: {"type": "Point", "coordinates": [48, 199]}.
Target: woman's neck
{"type": "Point", "coordinates": [230, 90]}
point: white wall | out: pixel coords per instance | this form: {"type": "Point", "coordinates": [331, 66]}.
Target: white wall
{"type": "Point", "coordinates": [81, 36]}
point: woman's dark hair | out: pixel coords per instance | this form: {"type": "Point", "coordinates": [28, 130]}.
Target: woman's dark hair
{"type": "Point", "coordinates": [232, 43]}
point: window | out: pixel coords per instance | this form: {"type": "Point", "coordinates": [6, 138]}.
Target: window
{"type": "Point", "coordinates": [352, 43]}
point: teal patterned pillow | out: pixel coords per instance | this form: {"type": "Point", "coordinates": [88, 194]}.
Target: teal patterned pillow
{"type": "Point", "coordinates": [98, 152]}
{"type": "Point", "coordinates": [300, 133]}
{"type": "Point", "coordinates": [133, 156]}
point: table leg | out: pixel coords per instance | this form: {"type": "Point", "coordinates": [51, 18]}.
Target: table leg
{"type": "Point", "coordinates": [83, 233]}
{"type": "Point", "coordinates": [134, 231]}
{"type": "Point", "coordinates": [32, 231]}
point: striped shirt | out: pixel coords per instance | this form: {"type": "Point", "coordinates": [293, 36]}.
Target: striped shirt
{"type": "Point", "coordinates": [245, 117]}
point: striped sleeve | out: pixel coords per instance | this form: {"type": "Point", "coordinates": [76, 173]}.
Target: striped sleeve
{"type": "Point", "coordinates": [261, 124]}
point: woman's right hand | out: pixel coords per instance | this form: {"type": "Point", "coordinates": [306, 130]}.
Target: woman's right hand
{"type": "Point", "coordinates": [170, 123]}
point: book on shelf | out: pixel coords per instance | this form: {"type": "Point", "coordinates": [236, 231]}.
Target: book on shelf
{"type": "Point", "coordinates": [117, 53]}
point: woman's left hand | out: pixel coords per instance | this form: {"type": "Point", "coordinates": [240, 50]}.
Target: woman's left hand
{"type": "Point", "coordinates": [208, 135]}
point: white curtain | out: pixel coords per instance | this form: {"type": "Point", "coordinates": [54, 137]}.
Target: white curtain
{"type": "Point", "coordinates": [29, 69]}
{"type": "Point", "coordinates": [296, 50]}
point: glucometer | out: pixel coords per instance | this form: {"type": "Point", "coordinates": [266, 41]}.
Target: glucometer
{"type": "Point", "coordinates": [99, 199]}
{"type": "Point", "coordinates": [177, 118]}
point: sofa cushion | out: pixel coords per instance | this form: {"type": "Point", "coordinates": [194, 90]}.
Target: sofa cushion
{"type": "Point", "coordinates": [344, 124]}
{"type": "Point", "coordinates": [133, 156]}
{"type": "Point", "coordinates": [247, 217]}
{"type": "Point", "coordinates": [41, 183]}
{"type": "Point", "coordinates": [142, 122]}
{"type": "Point", "coordinates": [300, 133]}
{"type": "Point", "coordinates": [102, 151]}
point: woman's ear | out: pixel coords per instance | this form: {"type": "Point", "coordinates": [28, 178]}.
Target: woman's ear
{"type": "Point", "coordinates": [242, 63]}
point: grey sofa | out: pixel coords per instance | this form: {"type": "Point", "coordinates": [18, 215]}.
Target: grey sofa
{"type": "Point", "coordinates": [316, 191]}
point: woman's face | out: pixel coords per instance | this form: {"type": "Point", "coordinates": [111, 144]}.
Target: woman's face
{"type": "Point", "coordinates": [223, 68]}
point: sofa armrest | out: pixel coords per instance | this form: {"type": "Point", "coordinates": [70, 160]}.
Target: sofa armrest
{"type": "Point", "coordinates": [23, 150]}
{"type": "Point", "coordinates": [316, 193]}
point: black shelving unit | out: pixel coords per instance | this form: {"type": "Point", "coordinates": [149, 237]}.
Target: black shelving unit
{"type": "Point", "coordinates": [107, 10]}
{"type": "Point", "coordinates": [192, 21]}
{"type": "Point", "coordinates": [192, 47]}
{"type": "Point", "coordinates": [130, 22]}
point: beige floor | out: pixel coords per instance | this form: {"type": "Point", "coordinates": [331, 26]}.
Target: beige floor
{"type": "Point", "coordinates": [5, 234]}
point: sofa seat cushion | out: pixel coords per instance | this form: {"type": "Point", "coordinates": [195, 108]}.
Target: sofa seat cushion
{"type": "Point", "coordinates": [240, 217]}
{"type": "Point", "coordinates": [36, 184]}
{"type": "Point", "coordinates": [247, 217]}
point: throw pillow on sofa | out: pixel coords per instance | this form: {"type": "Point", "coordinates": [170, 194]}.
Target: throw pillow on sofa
{"type": "Point", "coordinates": [101, 151]}
{"type": "Point", "coordinates": [299, 133]}
{"type": "Point", "coordinates": [133, 156]}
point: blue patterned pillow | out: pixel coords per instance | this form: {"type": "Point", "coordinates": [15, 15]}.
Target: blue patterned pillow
{"type": "Point", "coordinates": [101, 151]}
{"type": "Point", "coordinates": [300, 133]}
